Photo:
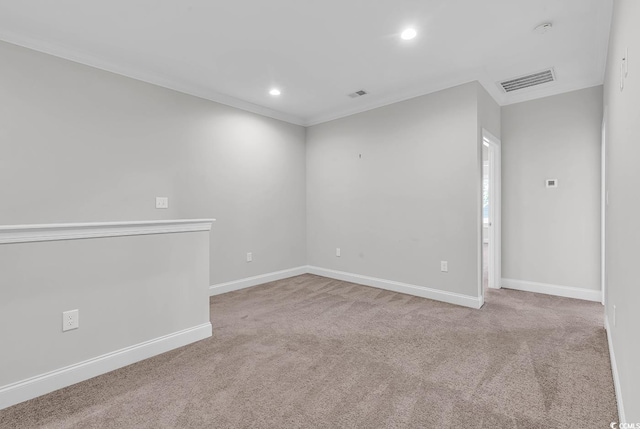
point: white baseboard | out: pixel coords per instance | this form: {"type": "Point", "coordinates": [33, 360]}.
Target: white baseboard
{"type": "Point", "coordinates": [614, 370]}
{"type": "Point", "coordinates": [549, 289]}
{"type": "Point", "coordinates": [438, 295]}
{"type": "Point", "coordinates": [220, 288]}
{"type": "Point", "coordinates": [15, 393]}
{"type": "Point", "coordinates": [424, 292]}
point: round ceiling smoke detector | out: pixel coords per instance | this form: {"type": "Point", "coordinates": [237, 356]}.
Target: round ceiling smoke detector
{"type": "Point", "coordinates": [543, 28]}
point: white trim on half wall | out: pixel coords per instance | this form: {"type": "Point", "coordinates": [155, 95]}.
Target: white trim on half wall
{"type": "Point", "coordinates": [75, 231]}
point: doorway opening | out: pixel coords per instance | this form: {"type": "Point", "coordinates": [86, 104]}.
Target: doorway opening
{"type": "Point", "coordinates": [491, 211]}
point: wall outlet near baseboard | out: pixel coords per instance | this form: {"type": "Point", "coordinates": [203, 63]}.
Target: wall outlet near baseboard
{"type": "Point", "coordinates": [249, 257]}
{"type": "Point", "coordinates": [70, 320]}
{"type": "Point", "coordinates": [338, 252]}
{"type": "Point", "coordinates": [444, 266]}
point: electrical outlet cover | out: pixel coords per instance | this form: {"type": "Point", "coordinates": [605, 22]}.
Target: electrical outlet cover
{"type": "Point", "coordinates": [70, 320]}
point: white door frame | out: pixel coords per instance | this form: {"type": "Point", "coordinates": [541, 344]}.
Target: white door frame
{"type": "Point", "coordinates": [495, 209]}
{"type": "Point", "coordinates": [603, 208]}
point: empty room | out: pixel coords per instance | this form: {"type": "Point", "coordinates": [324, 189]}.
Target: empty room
{"type": "Point", "coordinates": [338, 214]}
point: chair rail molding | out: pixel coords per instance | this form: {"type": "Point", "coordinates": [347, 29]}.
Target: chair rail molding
{"type": "Point", "coordinates": [10, 234]}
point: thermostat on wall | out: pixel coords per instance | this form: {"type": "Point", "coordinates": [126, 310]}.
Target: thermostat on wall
{"type": "Point", "coordinates": [552, 183]}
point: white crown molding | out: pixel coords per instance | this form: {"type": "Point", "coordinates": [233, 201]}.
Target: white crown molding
{"type": "Point", "coordinates": [152, 78]}
{"type": "Point", "coordinates": [179, 85]}
{"type": "Point", "coordinates": [491, 88]}
{"type": "Point", "coordinates": [396, 97]}
{"type": "Point", "coordinates": [10, 234]}
{"type": "Point", "coordinates": [209, 94]}
{"type": "Point", "coordinates": [550, 289]}
{"type": "Point", "coordinates": [23, 390]}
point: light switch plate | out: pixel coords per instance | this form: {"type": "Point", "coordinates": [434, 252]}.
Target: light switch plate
{"type": "Point", "coordinates": [162, 202]}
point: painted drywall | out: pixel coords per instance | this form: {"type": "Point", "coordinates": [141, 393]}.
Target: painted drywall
{"type": "Point", "coordinates": [128, 290]}
{"type": "Point", "coordinates": [397, 189]}
{"type": "Point", "coordinates": [489, 114]}
{"type": "Point", "coordinates": [78, 144]}
{"type": "Point", "coordinates": [623, 179]}
{"type": "Point", "coordinates": [552, 235]}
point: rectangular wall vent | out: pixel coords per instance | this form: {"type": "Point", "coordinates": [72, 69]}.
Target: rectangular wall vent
{"type": "Point", "coordinates": [358, 93]}
{"type": "Point", "coordinates": [528, 81]}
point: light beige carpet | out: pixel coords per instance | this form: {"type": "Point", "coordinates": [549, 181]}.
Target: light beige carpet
{"type": "Point", "coordinates": [312, 352]}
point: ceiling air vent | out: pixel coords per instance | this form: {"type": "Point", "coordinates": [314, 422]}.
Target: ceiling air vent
{"type": "Point", "coordinates": [358, 93]}
{"type": "Point", "coordinates": [528, 81]}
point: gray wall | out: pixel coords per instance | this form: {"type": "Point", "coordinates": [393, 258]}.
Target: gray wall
{"type": "Point", "coordinates": [79, 144]}
{"type": "Point", "coordinates": [623, 180]}
{"type": "Point", "coordinates": [489, 114]}
{"type": "Point", "coordinates": [128, 290]}
{"type": "Point", "coordinates": [552, 235]}
{"type": "Point", "coordinates": [410, 201]}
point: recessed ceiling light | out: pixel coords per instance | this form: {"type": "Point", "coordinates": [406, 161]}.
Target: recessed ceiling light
{"type": "Point", "coordinates": [408, 34]}
{"type": "Point", "coordinates": [275, 92]}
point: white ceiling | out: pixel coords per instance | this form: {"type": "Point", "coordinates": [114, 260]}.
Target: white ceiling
{"type": "Point", "coordinates": [317, 52]}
